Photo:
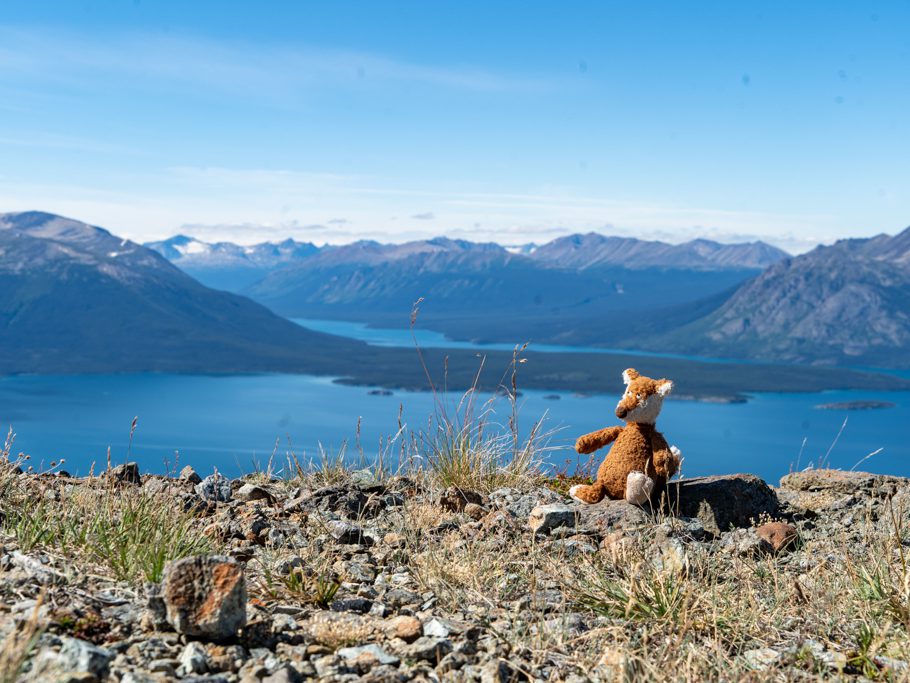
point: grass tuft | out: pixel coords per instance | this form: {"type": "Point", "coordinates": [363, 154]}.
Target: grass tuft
{"type": "Point", "coordinates": [132, 534]}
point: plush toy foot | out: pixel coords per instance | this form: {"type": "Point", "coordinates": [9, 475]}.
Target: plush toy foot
{"type": "Point", "coordinates": [587, 494]}
{"type": "Point", "coordinates": [639, 487]}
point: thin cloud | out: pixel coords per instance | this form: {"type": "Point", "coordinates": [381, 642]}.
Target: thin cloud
{"type": "Point", "coordinates": [66, 57]}
{"type": "Point", "coordinates": [253, 205]}
{"type": "Point", "coordinates": [425, 216]}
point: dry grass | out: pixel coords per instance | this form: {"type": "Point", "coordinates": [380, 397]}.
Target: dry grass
{"type": "Point", "coordinates": [335, 630]}
{"type": "Point", "coordinates": [18, 646]}
{"type": "Point", "coordinates": [132, 534]}
{"type": "Point", "coordinates": [693, 619]}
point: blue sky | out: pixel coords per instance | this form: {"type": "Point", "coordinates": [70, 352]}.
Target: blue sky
{"type": "Point", "coordinates": [509, 121]}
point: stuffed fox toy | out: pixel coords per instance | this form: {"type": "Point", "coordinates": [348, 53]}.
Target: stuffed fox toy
{"type": "Point", "coordinates": [640, 461]}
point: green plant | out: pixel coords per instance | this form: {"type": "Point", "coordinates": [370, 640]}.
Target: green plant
{"type": "Point", "coordinates": [863, 658]}
{"type": "Point", "coordinates": [643, 593]}
{"type": "Point", "coordinates": [133, 534]}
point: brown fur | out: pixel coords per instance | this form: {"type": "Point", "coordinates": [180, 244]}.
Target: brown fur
{"type": "Point", "coordinates": [637, 446]}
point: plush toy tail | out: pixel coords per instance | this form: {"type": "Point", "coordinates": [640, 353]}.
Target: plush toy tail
{"type": "Point", "coordinates": [588, 494]}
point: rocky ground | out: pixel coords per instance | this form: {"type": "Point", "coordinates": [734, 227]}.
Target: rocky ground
{"type": "Point", "coordinates": [136, 578]}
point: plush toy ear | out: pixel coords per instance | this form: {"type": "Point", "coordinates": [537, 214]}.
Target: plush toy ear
{"type": "Point", "coordinates": [629, 375]}
{"type": "Point", "coordinates": [665, 387]}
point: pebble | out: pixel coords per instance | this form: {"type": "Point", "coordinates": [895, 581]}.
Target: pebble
{"type": "Point", "coordinates": [189, 474]}
{"type": "Point", "coordinates": [373, 650]}
{"type": "Point", "coordinates": [778, 535]}
{"type": "Point", "coordinates": [250, 492]}
{"type": "Point", "coordinates": [127, 473]}
{"type": "Point", "coordinates": [427, 648]}
{"type": "Point", "coordinates": [406, 627]}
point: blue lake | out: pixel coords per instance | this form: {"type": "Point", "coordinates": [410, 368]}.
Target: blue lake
{"type": "Point", "coordinates": [233, 423]}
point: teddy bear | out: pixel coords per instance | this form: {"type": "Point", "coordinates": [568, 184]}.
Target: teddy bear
{"type": "Point", "coordinates": [640, 462]}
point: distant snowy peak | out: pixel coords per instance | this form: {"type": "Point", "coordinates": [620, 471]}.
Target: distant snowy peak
{"type": "Point", "coordinates": [189, 252]}
{"type": "Point", "coordinates": [521, 249]}
{"type": "Point", "coordinates": [193, 248]}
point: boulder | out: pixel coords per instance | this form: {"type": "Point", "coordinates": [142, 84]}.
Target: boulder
{"type": "Point", "coordinates": [610, 515]}
{"type": "Point", "coordinates": [841, 481]}
{"type": "Point", "coordinates": [545, 518]}
{"type": "Point", "coordinates": [215, 487]}
{"type": "Point", "coordinates": [205, 596]}
{"type": "Point", "coordinates": [723, 501]}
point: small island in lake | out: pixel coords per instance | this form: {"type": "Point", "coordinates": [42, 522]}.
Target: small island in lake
{"type": "Point", "coordinates": [855, 405]}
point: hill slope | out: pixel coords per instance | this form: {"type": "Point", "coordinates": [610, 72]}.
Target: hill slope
{"type": "Point", "coordinates": [78, 299]}
{"type": "Point", "coordinates": [845, 303]}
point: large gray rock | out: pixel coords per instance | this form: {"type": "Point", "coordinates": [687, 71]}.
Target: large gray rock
{"type": "Point", "coordinates": [610, 515]}
{"type": "Point", "coordinates": [545, 518]}
{"type": "Point", "coordinates": [215, 487]}
{"type": "Point", "coordinates": [722, 501]}
{"type": "Point", "coordinates": [205, 596]}
{"type": "Point", "coordinates": [842, 481]}
{"type": "Point", "coordinates": [74, 657]}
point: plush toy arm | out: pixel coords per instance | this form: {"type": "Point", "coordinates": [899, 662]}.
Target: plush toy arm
{"type": "Point", "coordinates": [666, 461]}
{"type": "Point", "coordinates": [591, 442]}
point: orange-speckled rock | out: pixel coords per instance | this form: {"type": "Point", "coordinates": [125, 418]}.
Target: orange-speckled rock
{"type": "Point", "coordinates": [205, 596]}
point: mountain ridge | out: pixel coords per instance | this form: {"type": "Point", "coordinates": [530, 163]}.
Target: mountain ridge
{"type": "Point", "coordinates": [76, 296]}
{"type": "Point", "coordinates": [572, 251]}
{"type": "Point", "coordinates": [846, 303]}
{"type": "Point", "coordinates": [592, 250]}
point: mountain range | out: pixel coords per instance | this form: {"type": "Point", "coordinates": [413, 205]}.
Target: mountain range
{"type": "Point", "coordinates": [76, 299]}
{"type": "Point", "coordinates": [233, 267]}
{"type": "Point", "coordinates": [565, 291]}
{"type": "Point", "coordinates": [844, 304]}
